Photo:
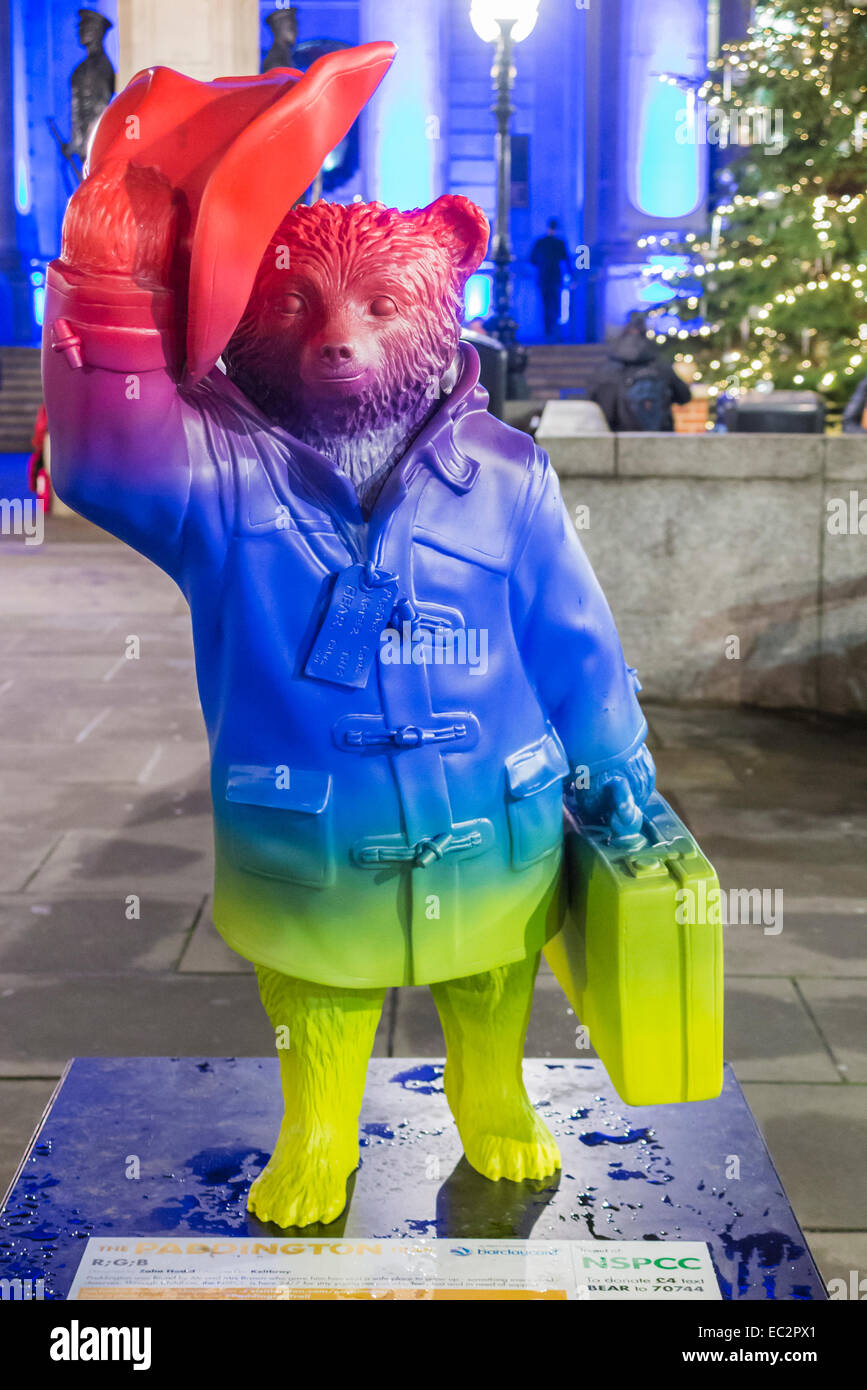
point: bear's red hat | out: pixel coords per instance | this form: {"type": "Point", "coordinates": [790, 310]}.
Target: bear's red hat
{"type": "Point", "coordinates": [239, 151]}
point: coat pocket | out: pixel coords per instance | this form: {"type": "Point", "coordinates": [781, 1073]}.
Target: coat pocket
{"type": "Point", "coordinates": [280, 823]}
{"type": "Point", "coordinates": [534, 799]}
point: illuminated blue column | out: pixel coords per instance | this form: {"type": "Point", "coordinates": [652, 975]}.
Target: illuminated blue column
{"type": "Point", "coordinates": [666, 175]}
{"type": "Point", "coordinates": [404, 134]}
{"type": "Point", "coordinates": [647, 161]}
{"type": "Point", "coordinates": [10, 261]}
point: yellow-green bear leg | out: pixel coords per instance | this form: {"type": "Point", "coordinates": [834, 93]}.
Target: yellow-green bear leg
{"type": "Point", "coordinates": [484, 1018]}
{"type": "Point", "coordinates": [324, 1040]}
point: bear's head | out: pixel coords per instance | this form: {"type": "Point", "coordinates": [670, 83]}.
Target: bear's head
{"type": "Point", "coordinates": [351, 332]}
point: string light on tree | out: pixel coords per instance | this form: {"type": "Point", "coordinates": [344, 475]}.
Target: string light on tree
{"type": "Point", "coordinates": [777, 264]}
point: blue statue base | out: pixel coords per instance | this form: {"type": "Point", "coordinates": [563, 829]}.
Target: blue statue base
{"type": "Point", "coordinates": [155, 1146]}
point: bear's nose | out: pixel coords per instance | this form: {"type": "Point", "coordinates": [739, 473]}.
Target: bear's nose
{"type": "Point", "coordinates": [334, 353]}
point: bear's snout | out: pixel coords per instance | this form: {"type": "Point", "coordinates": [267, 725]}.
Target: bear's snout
{"type": "Point", "coordinates": [336, 354]}
{"type": "Point", "coordinates": [334, 363]}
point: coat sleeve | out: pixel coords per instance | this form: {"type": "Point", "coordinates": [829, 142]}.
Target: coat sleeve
{"type": "Point", "coordinates": [119, 452]}
{"type": "Point", "coordinates": [568, 640]}
{"type": "Point", "coordinates": [127, 450]}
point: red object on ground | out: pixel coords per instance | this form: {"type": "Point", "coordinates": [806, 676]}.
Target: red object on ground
{"type": "Point", "coordinates": [38, 480]}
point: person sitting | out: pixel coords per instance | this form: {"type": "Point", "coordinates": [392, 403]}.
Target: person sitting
{"type": "Point", "coordinates": [636, 388]}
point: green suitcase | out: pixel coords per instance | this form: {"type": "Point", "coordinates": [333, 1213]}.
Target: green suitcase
{"type": "Point", "coordinates": [638, 960]}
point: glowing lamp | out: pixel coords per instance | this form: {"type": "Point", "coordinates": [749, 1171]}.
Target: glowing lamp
{"type": "Point", "coordinates": [490, 17]}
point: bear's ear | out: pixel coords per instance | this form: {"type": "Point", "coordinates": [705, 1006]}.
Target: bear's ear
{"type": "Point", "coordinates": [462, 228]}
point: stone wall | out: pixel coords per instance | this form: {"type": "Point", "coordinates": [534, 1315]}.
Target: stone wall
{"type": "Point", "coordinates": [721, 560]}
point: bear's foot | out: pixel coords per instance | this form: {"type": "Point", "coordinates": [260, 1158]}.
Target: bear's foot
{"type": "Point", "coordinates": [301, 1184]}
{"type": "Point", "coordinates": [498, 1156]}
{"type": "Point", "coordinates": [514, 1143]}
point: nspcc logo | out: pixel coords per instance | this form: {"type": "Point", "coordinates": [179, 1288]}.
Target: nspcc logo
{"type": "Point", "coordinates": [667, 1262]}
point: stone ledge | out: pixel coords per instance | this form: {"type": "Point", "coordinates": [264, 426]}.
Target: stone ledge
{"type": "Point", "coordinates": [585, 456]}
{"type": "Point", "coordinates": [787, 457]}
{"type": "Point", "coordinates": [689, 562]}
{"type": "Point", "coordinates": [846, 458]}
{"type": "Point", "coordinates": [720, 455]}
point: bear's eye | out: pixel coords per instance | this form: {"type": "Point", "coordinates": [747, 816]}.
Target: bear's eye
{"type": "Point", "coordinates": [383, 307]}
{"type": "Point", "coordinates": [292, 304]}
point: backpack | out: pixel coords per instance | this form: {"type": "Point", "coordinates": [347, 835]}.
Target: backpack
{"type": "Point", "coordinates": [643, 400]}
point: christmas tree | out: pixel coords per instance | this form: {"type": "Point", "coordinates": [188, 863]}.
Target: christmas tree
{"type": "Point", "coordinates": [776, 296]}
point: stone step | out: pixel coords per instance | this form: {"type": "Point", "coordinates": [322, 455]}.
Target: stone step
{"type": "Point", "coordinates": [20, 397]}
{"type": "Point", "coordinates": [555, 369]}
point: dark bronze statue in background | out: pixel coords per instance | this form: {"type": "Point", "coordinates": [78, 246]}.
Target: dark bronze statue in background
{"type": "Point", "coordinates": [284, 36]}
{"type": "Point", "coordinates": [91, 84]}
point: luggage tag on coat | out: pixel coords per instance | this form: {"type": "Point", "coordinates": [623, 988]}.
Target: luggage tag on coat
{"type": "Point", "coordinates": [359, 610]}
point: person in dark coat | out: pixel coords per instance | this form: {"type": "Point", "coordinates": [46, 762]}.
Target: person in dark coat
{"type": "Point", "coordinates": [549, 254]}
{"type": "Point", "coordinates": [853, 415]}
{"type": "Point", "coordinates": [636, 388]}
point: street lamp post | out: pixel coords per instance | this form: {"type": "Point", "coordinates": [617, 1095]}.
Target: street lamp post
{"type": "Point", "coordinates": [505, 23]}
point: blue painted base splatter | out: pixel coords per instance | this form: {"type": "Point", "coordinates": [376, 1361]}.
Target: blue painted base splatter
{"type": "Point", "coordinates": [145, 1146]}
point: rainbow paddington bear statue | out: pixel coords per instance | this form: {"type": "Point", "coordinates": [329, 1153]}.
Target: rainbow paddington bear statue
{"type": "Point", "coordinates": [402, 652]}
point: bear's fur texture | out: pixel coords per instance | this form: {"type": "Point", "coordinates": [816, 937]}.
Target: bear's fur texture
{"type": "Point", "coordinates": [124, 220]}
{"type": "Point", "coordinates": [350, 336]}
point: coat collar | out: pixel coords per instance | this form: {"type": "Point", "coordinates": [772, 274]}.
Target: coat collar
{"type": "Point", "coordinates": [434, 447]}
